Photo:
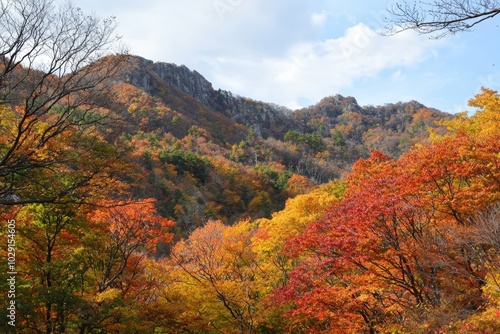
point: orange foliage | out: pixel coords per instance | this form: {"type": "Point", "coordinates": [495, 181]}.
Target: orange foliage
{"type": "Point", "coordinates": [134, 226]}
{"type": "Point", "coordinates": [388, 248]}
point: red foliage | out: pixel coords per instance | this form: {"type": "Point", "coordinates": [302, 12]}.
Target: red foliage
{"type": "Point", "coordinates": [395, 243]}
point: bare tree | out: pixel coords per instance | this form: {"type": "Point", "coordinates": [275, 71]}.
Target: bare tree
{"type": "Point", "coordinates": [440, 17]}
{"type": "Point", "coordinates": [56, 67]}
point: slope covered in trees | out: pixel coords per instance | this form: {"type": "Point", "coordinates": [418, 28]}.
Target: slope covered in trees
{"type": "Point", "coordinates": [407, 245]}
{"type": "Point", "coordinates": [135, 198]}
{"type": "Point", "coordinates": [101, 177]}
{"type": "Point", "coordinates": [206, 154]}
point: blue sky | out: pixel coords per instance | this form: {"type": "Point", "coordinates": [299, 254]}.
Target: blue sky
{"type": "Point", "coordinates": [295, 52]}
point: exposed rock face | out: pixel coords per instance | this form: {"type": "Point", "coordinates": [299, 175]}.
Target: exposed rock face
{"type": "Point", "coordinates": [190, 82]}
{"type": "Point", "coordinates": [265, 119]}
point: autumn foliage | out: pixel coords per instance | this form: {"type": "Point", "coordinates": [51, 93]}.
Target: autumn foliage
{"type": "Point", "coordinates": [398, 252]}
{"type": "Point", "coordinates": [404, 245]}
{"type": "Point", "coordinates": [157, 214]}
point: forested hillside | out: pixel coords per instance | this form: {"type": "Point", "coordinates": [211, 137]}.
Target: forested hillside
{"type": "Point", "coordinates": [206, 154]}
{"type": "Point", "coordinates": [136, 198]}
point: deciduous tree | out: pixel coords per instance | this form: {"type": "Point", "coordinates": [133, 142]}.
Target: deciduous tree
{"type": "Point", "coordinates": [53, 79]}
{"type": "Point", "coordinates": [217, 266]}
{"type": "Point", "coordinates": [394, 252]}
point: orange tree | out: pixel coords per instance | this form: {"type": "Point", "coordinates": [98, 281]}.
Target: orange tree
{"type": "Point", "coordinates": [82, 269]}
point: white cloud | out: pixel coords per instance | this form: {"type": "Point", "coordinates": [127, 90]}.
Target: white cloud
{"type": "Point", "coordinates": [293, 52]}
{"type": "Point", "coordinates": [314, 70]}
{"type": "Point", "coordinates": [185, 31]}
{"type": "Point", "coordinates": [318, 19]}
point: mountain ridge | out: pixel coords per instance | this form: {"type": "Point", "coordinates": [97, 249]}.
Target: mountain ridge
{"type": "Point", "coordinates": [204, 154]}
{"type": "Point", "coordinates": [264, 118]}
{"type": "Point", "coordinates": [147, 75]}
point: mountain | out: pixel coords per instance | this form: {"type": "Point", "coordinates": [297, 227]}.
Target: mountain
{"type": "Point", "coordinates": [205, 153]}
{"type": "Point", "coordinates": [171, 82]}
{"type": "Point", "coordinates": [397, 125]}
{"type": "Point", "coordinates": [208, 154]}
{"type": "Point", "coordinates": [175, 85]}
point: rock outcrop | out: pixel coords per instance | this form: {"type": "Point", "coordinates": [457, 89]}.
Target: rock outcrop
{"type": "Point", "coordinates": [266, 119]}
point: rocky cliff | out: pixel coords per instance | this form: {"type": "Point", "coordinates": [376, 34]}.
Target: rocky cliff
{"type": "Point", "coordinates": [266, 119]}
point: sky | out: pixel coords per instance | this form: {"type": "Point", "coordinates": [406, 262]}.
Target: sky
{"type": "Point", "coordinates": [295, 52]}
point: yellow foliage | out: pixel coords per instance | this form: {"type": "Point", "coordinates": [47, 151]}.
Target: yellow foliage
{"type": "Point", "coordinates": [492, 288]}
{"type": "Point", "coordinates": [270, 238]}
{"type": "Point", "coordinates": [212, 277]}
{"type": "Point", "coordinates": [109, 294]}
{"type": "Point", "coordinates": [486, 322]}
{"type": "Point", "coordinates": [485, 123]}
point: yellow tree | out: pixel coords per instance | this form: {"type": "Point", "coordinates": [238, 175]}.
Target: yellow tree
{"type": "Point", "coordinates": [485, 122]}
{"type": "Point", "coordinates": [271, 237]}
{"type": "Point", "coordinates": [214, 272]}
{"type": "Point", "coordinates": [481, 235]}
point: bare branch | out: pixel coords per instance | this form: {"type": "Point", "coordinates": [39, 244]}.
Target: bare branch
{"type": "Point", "coordinates": [439, 18]}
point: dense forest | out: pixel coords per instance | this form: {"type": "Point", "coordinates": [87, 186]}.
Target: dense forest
{"type": "Point", "coordinates": [136, 198]}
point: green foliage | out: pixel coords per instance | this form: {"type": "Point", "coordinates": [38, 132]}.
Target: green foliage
{"type": "Point", "coordinates": [272, 175]}
{"type": "Point", "coordinates": [338, 138]}
{"type": "Point", "coordinates": [186, 161]}
{"type": "Point", "coordinates": [239, 152]}
{"type": "Point", "coordinates": [311, 141]}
